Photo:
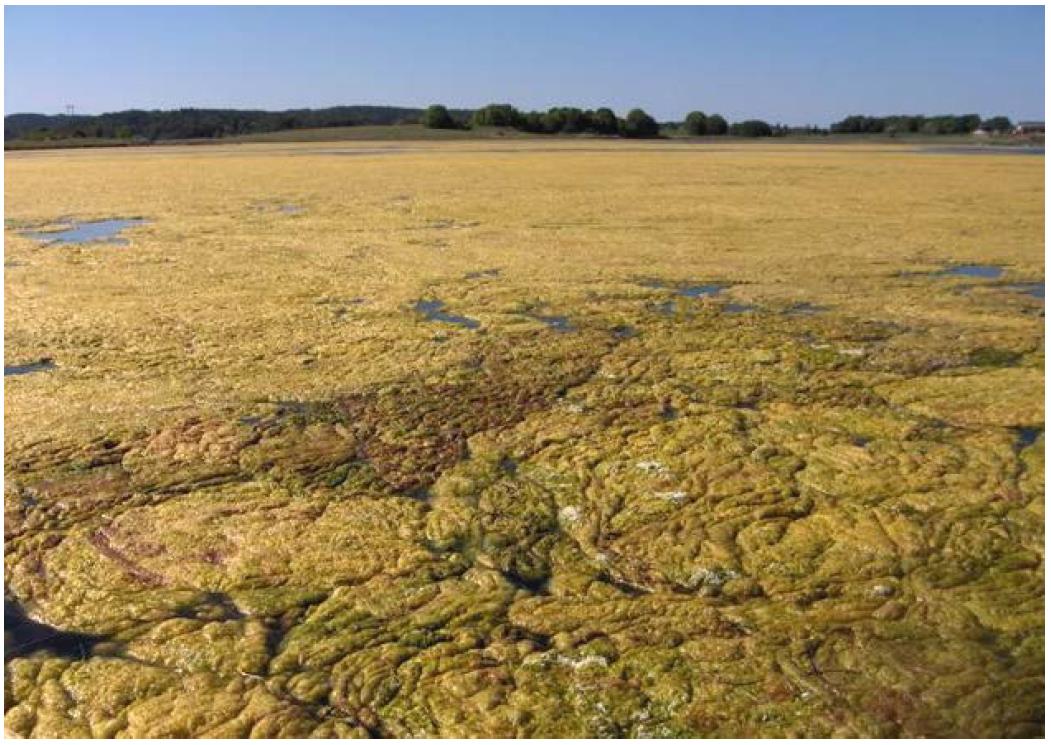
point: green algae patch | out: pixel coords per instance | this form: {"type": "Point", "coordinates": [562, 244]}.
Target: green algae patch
{"type": "Point", "coordinates": [1005, 398]}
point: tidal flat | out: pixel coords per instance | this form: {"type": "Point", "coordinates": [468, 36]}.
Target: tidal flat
{"type": "Point", "coordinates": [266, 487]}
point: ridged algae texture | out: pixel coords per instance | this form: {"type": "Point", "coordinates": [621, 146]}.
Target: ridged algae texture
{"type": "Point", "coordinates": [580, 440]}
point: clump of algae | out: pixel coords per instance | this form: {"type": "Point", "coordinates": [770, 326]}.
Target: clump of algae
{"type": "Point", "coordinates": [280, 503]}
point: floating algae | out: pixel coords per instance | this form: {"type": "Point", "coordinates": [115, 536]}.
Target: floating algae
{"type": "Point", "coordinates": [772, 524]}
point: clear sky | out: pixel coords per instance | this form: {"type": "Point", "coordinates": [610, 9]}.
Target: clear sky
{"type": "Point", "coordinates": [794, 65]}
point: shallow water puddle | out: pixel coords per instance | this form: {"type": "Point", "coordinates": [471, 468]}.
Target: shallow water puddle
{"type": "Point", "coordinates": [29, 367]}
{"type": "Point", "coordinates": [982, 271]}
{"type": "Point", "coordinates": [700, 290]}
{"type": "Point", "coordinates": [1032, 289]}
{"type": "Point", "coordinates": [669, 307]}
{"type": "Point", "coordinates": [738, 308]}
{"type": "Point", "coordinates": [1028, 435]}
{"type": "Point", "coordinates": [23, 636]}
{"type": "Point", "coordinates": [432, 311]}
{"type": "Point", "coordinates": [92, 231]}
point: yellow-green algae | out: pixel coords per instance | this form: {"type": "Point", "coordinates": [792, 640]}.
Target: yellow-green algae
{"type": "Point", "coordinates": [279, 502]}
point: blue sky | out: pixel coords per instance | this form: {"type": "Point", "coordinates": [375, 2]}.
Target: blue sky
{"type": "Point", "coordinates": [795, 65]}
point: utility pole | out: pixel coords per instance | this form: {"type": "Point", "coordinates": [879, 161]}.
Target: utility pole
{"type": "Point", "coordinates": [69, 109]}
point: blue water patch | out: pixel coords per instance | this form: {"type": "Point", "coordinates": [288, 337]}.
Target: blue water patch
{"type": "Point", "coordinates": [29, 367]}
{"type": "Point", "coordinates": [1027, 436]}
{"type": "Point", "coordinates": [982, 271]}
{"type": "Point", "coordinates": [699, 290]}
{"type": "Point", "coordinates": [432, 311]}
{"type": "Point", "coordinates": [738, 308]}
{"type": "Point", "coordinates": [95, 231]}
{"type": "Point", "coordinates": [1032, 289]}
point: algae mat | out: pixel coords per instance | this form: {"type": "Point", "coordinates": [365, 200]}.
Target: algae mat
{"type": "Point", "coordinates": [471, 440]}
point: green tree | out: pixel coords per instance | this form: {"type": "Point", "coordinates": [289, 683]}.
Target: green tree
{"type": "Point", "coordinates": [604, 122]}
{"type": "Point", "coordinates": [696, 124]}
{"type": "Point", "coordinates": [497, 115]}
{"type": "Point", "coordinates": [997, 124]}
{"type": "Point", "coordinates": [639, 124]}
{"type": "Point", "coordinates": [716, 125]}
{"type": "Point", "coordinates": [751, 128]}
{"type": "Point", "coordinates": [967, 123]}
{"type": "Point", "coordinates": [553, 120]}
{"type": "Point", "coordinates": [533, 121]}
{"type": "Point", "coordinates": [575, 120]}
{"type": "Point", "coordinates": [437, 117]}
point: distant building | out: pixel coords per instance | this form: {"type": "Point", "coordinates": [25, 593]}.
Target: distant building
{"type": "Point", "coordinates": [1029, 128]}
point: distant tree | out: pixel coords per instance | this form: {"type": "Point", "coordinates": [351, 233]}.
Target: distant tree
{"type": "Point", "coordinates": [751, 128]}
{"type": "Point", "coordinates": [574, 120]}
{"type": "Point", "coordinates": [554, 120]}
{"type": "Point", "coordinates": [532, 121]}
{"type": "Point", "coordinates": [639, 124]}
{"type": "Point", "coordinates": [894, 125]}
{"type": "Point", "coordinates": [437, 117]}
{"type": "Point", "coordinates": [997, 124]}
{"type": "Point", "coordinates": [497, 115]}
{"type": "Point", "coordinates": [967, 123]}
{"type": "Point", "coordinates": [716, 125]}
{"type": "Point", "coordinates": [938, 125]}
{"type": "Point", "coordinates": [858, 124]}
{"type": "Point", "coordinates": [696, 124]}
{"type": "Point", "coordinates": [604, 122]}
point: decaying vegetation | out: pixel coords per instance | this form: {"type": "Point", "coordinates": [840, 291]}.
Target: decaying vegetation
{"type": "Point", "coordinates": [259, 492]}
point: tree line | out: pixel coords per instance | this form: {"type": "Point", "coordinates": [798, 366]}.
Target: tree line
{"type": "Point", "coordinates": [602, 121]}
{"type": "Point", "coordinates": [192, 123]}
{"type": "Point", "coordinates": [180, 124]}
{"type": "Point", "coordinates": [945, 124]}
